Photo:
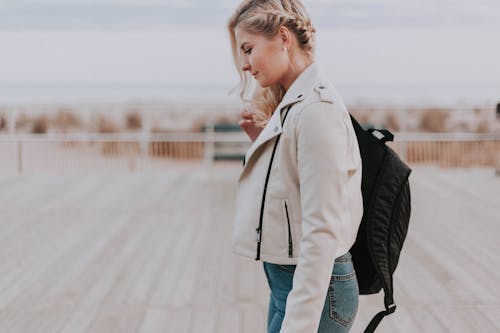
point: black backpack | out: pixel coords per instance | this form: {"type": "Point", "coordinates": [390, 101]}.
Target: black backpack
{"type": "Point", "coordinates": [386, 214]}
{"type": "Point", "coordinates": [383, 228]}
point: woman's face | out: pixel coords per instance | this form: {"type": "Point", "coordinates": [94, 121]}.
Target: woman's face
{"type": "Point", "coordinates": [264, 58]}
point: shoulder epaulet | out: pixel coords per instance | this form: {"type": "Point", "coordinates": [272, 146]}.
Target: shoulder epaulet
{"type": "Point", "coordinates": [324, 93]}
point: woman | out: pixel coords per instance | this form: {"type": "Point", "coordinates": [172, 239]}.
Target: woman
{"type": "Point", "coordinates": [299, 200]}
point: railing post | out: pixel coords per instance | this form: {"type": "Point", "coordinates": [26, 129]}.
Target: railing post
{"type": "Point", "coordinates": [496, 150]}
{"type": "Point", "coordinates": [131, 158]}
{"type": "Point", "coordinates": [209, 145]}
{"type": "Point", "coordinates": [20, 156]}
{"type": "Point", "coordinates": [404, 153]}
{"type": "Point", "coordinates": [145, 141]}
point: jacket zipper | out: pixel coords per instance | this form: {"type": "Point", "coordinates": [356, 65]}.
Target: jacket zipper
{"type": "Point", "coordinates": [259, 228]}
{"type": "Point", "coordinates": [290, 243]}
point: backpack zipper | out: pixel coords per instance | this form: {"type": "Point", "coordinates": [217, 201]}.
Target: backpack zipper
{"type": "Point", "coordinates": [290, 243]}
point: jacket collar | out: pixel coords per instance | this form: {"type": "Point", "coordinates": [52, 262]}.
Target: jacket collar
{"type": "Point", "coordinates": [296, 93]}
{"type": "Point", "coordinates": [301, 86]}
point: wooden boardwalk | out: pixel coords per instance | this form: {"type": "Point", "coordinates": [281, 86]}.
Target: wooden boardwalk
{"type": "Point", "coordinates": [151, 253]}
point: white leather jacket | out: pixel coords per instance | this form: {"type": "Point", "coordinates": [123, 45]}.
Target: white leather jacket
{"type": "Point", "coordinates": [310, 210]}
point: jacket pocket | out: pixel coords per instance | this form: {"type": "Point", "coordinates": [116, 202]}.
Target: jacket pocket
{"type": "Point", "coordinates": [289, 228]}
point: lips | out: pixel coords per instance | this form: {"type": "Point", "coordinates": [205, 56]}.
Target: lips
{"type": "Point", "coordinates": [255, 74]}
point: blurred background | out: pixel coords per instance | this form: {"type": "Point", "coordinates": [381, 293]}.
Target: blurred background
{"type": "Point", "coordinates": [120, 154]}
{"type": "Point", "coordinates": [157, 67]}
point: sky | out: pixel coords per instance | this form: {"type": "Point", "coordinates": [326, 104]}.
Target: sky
{"type": "Point", "coordinates": [400, 51]}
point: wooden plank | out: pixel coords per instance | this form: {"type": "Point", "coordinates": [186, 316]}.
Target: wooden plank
{"type": "Point", "coordinates": [79, 321]}
{"type": "Point", "coordinates": [253, 318]}
{"type": "Point", "coordinates": [180, 320]}
{"type": "Point", "coordinates": [228, 318]}
{"type": "Point", "coordinates": [204, 320]}
{"type": "Point", "coordinates": [127, 253]}
{"type": "Point", "coordinates": [117, 320]}
{"type": "Point", "coordinates": [156, 320]}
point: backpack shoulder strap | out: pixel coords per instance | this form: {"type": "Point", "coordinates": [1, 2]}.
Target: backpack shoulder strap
{"type": "Point", "coordinates": [390, 307]}
{"type": "Point", "coordinates": [386, 134]}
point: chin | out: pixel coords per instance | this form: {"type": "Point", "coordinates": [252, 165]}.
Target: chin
{"type": "Point", "coordinates": [264, 84]}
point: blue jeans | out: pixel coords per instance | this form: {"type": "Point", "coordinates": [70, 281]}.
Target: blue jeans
{"type": "Point", "coordinates": [341, 301]}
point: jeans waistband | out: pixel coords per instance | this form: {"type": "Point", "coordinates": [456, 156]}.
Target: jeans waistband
{"type": "Point", "coordinates": [344, 258]}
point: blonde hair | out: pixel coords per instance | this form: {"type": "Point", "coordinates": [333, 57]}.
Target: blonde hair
{"type": "Point", "coordinates": [266, 17]}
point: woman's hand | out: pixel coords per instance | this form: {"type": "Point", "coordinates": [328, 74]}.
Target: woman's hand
{"type": "Point", "coordinates": [247, 124]}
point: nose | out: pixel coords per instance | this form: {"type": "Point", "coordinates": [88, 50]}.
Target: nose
{"type": "Point", "coordinates": [245, 66]}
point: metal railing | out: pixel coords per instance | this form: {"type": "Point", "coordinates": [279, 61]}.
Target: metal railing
{"type": "Point", "coordinates": [136, 151]}
{"type": "Point", "coordinates": [96, 151]}
{"type": "Point", "coordinates": [450, 150]}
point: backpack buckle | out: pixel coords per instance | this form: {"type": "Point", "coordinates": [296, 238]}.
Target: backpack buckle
{"type": "Point", "coordinates": [391, 308]}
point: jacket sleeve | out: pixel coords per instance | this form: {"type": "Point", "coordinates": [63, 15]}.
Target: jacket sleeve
{"type": "Point", "coordinates": [323, 164]}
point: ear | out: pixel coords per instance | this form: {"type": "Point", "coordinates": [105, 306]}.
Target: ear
{"type": "Point", "coordinates": [285, 37]}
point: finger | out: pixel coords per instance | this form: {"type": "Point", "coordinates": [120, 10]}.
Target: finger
{"type": "Point", "coordinates": [246, 124]}
{"type": "Point", "coordinates": [250, 118]}
{"type": "Point", "coordinates": [247, 114]}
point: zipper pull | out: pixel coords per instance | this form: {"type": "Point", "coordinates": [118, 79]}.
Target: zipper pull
{"type": "Point", "coordinates": [258, 244]}
{"type": "Point", "coordinates": [258, 235]}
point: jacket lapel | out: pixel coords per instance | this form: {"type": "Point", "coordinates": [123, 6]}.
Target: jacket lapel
{"type": "Point", "coordinates": [273, 128]}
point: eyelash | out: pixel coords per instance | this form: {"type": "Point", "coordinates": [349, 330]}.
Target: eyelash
{"type": "Point", "coordinates": [247, 51]}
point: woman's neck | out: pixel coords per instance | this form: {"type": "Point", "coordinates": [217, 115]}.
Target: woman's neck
{"type": "Point", "coordinates": [299, 65]}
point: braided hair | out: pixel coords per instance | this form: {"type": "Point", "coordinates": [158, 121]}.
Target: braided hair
{"type": "Point", "coordinates": [266, 17]}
